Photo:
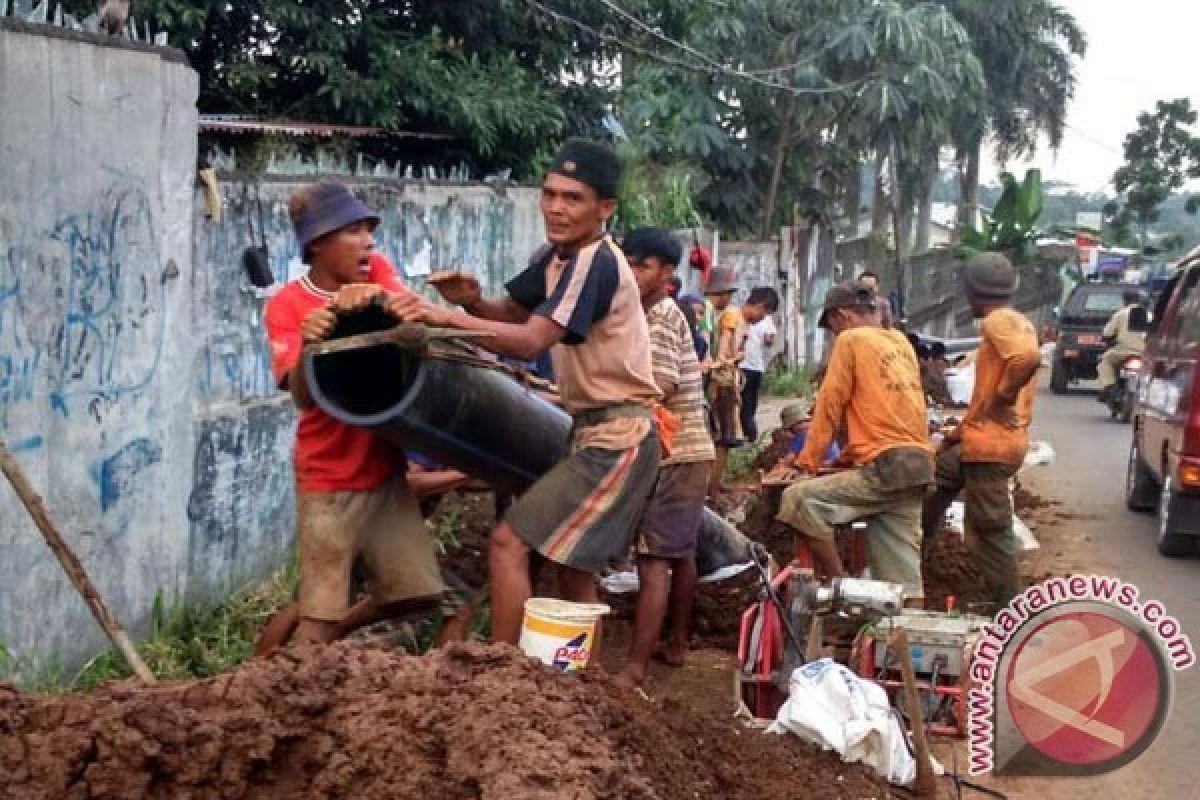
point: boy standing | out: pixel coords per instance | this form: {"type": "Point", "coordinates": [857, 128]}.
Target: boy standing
{"type": "Point", "coordinates": [760, 338]}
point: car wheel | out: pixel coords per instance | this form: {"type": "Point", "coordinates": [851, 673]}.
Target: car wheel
{"type": "Point", "coordinates": [1170, 507]}
{"type": "Point", "coordinates": [1141, 492]}
{"type": "Point", "coordinates": [1058, 377]}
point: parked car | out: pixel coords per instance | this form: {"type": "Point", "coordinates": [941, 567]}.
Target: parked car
{"type": "Point", "coordinates": [1080, 341]}
{"type": "Point", "coordinates": [1163, 469]}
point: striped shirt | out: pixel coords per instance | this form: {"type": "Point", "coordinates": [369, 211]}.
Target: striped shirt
{"type": "Point", "coordinates": [673, 358]}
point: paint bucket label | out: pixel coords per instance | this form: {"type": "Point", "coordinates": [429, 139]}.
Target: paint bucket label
{"type": "Point", "coordinates": [560, 634]}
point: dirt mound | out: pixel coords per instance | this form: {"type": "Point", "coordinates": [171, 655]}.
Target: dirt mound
{"type": "Point", "coordinates": [470, 721]}
{"type": "Point", "coordinates": [949, 570]}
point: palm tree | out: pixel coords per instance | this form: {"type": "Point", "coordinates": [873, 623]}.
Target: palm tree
{"type": "Point", "coordinates": [1028, 50]}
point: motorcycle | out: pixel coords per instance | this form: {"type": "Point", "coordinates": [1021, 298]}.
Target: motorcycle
{"type": "Point", "coordinates": [1123, 393]}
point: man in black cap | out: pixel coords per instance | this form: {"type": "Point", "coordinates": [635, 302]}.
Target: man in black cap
{"type": "Point", "coordinates": [982, 455]}
{"type": "Point", "coordinates": [579, 298]}
{"type": "Point", "coordinates": [873, 385]}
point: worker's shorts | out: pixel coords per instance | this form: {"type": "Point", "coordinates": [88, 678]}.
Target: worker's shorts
{"type": "Point", "coordinates": [384, 525]}
{"type": "Point", "coordinates": [816, 505]}
{"type": "Point", "coordinates": [671, 522]}
{"type": "Point", "coordinates": [584, 512]}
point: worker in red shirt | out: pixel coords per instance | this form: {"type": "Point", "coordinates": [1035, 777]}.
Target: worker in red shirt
{"type": "Point", "coordinates": [351, 493]}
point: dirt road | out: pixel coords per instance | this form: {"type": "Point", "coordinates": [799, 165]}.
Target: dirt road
{"type": "Point", "coordinates": [1105, 538]}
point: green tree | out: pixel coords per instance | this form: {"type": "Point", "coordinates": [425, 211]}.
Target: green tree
{"type": "Point", "coordinates": [1029, 51]}
{"type": "Point", "coordinates": [1161, 156]}
{"type": "Point", "coordinates": [494, 75]}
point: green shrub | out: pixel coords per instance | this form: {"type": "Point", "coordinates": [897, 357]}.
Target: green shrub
{"type": "Point", "coordinates": [786, 382]}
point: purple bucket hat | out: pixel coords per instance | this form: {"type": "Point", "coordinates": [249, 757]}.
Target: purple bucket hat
{"type": "Point", "coordinates": [331, 206]}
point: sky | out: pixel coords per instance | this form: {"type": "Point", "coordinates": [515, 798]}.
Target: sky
{"type": "Point", "coordinates": [1138, 53]}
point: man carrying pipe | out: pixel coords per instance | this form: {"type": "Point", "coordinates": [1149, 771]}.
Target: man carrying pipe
{"type": "Point", "coordinates": [872, 382]}
{"type": "Point", "coordinates": [352, 497]}
{"type": "Point", "coordinates": [666, 546]}
{"type": "Point", "coordinates": [578, 297]}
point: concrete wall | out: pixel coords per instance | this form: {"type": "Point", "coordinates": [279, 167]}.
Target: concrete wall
{"type": "Point", "coordinates": [97, 154]}
{"type": "Point", "coordinates": [134, 375]}
{"type": "Point", "coordinates": [241, 509]}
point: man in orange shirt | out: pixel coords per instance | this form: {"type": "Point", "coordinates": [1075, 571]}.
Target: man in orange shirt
{"type": "Point", "coordinates": [873, 384]}
{"type": "Point", "coordinates": [981, 456]}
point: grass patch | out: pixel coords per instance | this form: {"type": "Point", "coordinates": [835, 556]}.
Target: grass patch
{"type": "Point", "coordinates": [188, 639]}
{"type": "Point", "coordinates": [787, 382]}
{"type": "Point", "coordinates": [446, 525]}
{"type": "Point", "coordinates": [740, 466]}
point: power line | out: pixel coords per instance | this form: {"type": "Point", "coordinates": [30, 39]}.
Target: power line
{"type": "Point", "coordinates": [707, 65]}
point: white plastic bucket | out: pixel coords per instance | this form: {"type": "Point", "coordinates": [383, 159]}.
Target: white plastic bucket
{"type": "Point", "coordinates": [559, 633]}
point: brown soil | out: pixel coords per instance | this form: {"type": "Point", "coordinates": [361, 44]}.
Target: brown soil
{"type": "Point", "coordinates": [476, 516]}
{"type": "Point", "coordinates": [469, 721]}
{"type": "Point", "coordinates": [1030, 506]}
{"type": "Point", "coordinates": [948, 571]}
{"type": "Point", "coordinates": [776, 449]}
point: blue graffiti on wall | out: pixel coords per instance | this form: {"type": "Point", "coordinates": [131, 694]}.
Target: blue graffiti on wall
{"type": "Point", "coordinates": [82, 307]}
{"type": "Point", "coordinates": [115, 329]}
{"type": "Point", "coordinates": [117, 475]}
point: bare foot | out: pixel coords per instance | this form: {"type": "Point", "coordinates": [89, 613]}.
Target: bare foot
{"type": "Point", "coordinates": [672, 653]}
{"type": "Point", "coordinates": [631, 677]}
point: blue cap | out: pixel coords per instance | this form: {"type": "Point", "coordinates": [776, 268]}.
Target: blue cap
{"type": "Point", "coordinates": [330, 207]}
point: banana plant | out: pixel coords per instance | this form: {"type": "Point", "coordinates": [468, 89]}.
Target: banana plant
{"type": "Point", "coordinates": [1011, 227]}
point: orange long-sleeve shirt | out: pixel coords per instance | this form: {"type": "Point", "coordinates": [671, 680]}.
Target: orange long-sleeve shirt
{"type": "Point", "coordinates": [874, 383]}
{"type": "Point", "coordinates": [1007, 365]}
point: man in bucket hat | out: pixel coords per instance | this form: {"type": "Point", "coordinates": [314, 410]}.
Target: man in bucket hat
{"type": "Point", "coordinates": [981, 456]}
{"type": "Point", "coordinates": [352, 497]}
{"type": "Point", "coordinates": [873, 384]}
{"type": "Point", "coordinates": [579, 298]}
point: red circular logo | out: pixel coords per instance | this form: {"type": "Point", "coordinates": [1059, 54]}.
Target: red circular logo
{"type": "Point", "coordinates": [1085, 688]}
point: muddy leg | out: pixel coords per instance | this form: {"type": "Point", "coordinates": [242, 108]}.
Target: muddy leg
{"type": "Point", "coordinates": [508, 567]}
{"type": "Point", "coordinates": [647, 624]}
{"type": "Point", "coordinates": [683, 594]}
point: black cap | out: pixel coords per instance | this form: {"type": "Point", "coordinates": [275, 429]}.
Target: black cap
{"type": "Point", "coordinates": [846, 295]}
{"type": "Point", "coordinates": [591, 163]}
{"type": "Point", "coordinates": [990, 276]}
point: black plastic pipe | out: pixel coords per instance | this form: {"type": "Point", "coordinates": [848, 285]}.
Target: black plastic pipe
{"type": "Point", "coordinates": [475, 419]}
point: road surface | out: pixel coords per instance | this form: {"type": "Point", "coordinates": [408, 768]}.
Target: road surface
{"type": "Point", "coordinates": [1105, 538]}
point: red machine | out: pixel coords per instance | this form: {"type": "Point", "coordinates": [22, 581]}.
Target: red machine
{"type": "Point", "coordinates": [785, 628]}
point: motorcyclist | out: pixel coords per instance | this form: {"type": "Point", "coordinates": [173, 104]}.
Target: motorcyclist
{"type": "Point", "coordinates": [1123, 339]}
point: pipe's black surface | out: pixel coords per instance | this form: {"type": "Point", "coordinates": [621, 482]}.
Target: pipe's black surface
{"type": "Point", "coordinates": [472, 418]}
{"type": "Point", "coordinates": [469, 417]}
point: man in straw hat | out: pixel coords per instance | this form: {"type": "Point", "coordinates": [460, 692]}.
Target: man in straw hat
{"type": "Point", "coordinates": [873, 384]}
{"type": "Point", "coordinates": [982, 455]}
{"type": "Point", "coordinates": [579, 298]}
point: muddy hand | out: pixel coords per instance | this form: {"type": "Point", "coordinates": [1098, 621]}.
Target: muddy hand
{"type": "Point", "coordinates": [459, 288]}
{"type": "Point", "coordinates": [318, 325]}
{"type": "Point", "coordinates": [355, 297]}
{"type": "Point", "coordinates": [413, 308]}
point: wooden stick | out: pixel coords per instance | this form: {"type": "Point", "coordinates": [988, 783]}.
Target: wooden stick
{"type": "Point", "coordinates": [411, 334]}
{"type": "Point", "coordinates": [925, 784]}
{"type": "Point", "coordinates": [70, 564]}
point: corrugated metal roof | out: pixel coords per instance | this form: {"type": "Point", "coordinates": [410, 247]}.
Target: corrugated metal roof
{"type": "Point", "coordinates": [239, 124]}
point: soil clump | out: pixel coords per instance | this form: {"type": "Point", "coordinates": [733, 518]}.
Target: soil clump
{"type": "Point", "coordinates": [351, 720]}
